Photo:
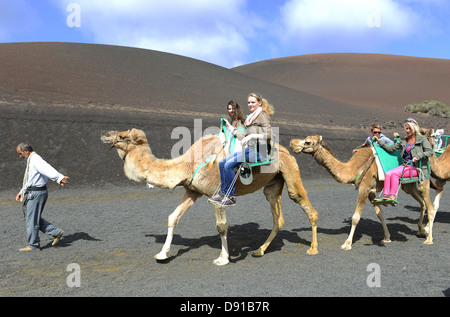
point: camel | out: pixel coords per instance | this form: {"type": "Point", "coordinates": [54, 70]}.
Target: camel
{"type": "Point", "coordinates": [188, 171]}
{"type": "Point", "coordinates": [362, 171]}
{"type": "Point", "coordinates": [440, 168]}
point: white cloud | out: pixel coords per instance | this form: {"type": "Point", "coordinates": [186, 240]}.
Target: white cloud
{"type": "Point", "coordinates": [234, 32]}
{"type": "Point", "coordinates": [346, 23]}
{"type": "Point", "coordinates": [210, 30]}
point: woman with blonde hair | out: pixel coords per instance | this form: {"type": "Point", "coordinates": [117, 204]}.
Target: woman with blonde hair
{"type": "Point", "coordinates": [416, 148]}
{"type": "Point", "coordinates": [257, 127]}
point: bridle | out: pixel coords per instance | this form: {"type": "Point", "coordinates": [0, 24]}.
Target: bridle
{"type": "Point", "coordinates": [116, 140]}
{"type": "Point", "coordinates": [315, 150]}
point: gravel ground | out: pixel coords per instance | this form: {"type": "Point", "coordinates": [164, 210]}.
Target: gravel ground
{"type": "Point", "coordinates": [112, 234]}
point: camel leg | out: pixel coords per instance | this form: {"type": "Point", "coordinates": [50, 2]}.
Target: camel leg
{"type": "Point", "coordinates": [422, 231]}
{"type": "Point", "coordinates": [422, 195]}
{"type": "Point", "coordinates": [418, 196]}
{"type": "Point", "coordinates": [363, 195]}
{"type": "Point", "coordinates": [380, 215]}
{"type": "Point", "coordinates": [437, 198]}
{"type": "Point", "coordinates": [222, 228]}
{"type": "Point", "coordinates": [431, 212]}
{"type": "Point", "coordinates": [273, 196]}
{"type": "Point", "coordinates": [440, 183]}
{"type": "Point", "coordinates": [187, 201]}
{"type": "Point", "coordinates": [299, 195]}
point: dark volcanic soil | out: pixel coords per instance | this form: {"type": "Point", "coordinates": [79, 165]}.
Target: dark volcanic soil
{"type": "Point", "coordinates": [113, 233]}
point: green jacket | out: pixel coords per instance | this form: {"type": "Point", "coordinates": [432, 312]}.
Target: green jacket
{"type": "Point", "coordinates": [261, 125]}
{"type": "Point", "coordinates": [421, 149]}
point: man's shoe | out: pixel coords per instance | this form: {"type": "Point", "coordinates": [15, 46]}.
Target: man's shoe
{"type": "Point", "coordinates": [56, 239]}
{"type": "Point", "coordinates": [228, 201]}
{"type": "Point", "coordinates": [28, 248]}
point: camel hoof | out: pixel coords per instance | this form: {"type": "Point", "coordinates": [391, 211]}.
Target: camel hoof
{"type": "Point", "coordinates": [312, 251]}
{"type": "Point", "coordinates": [421, 234]}
{"type": "Point", "coordinates": [258, 252]}
{"type": "Point", "coordinates": [428, 242]}
{"type": "Point", "coordinates": [384, 241]}
{"type": "Point", "coordinates": [161, 256]}
{"type": "Point", "coordinates": [346, 246]}
{"type": "Point", "coordinates": [221, 261]}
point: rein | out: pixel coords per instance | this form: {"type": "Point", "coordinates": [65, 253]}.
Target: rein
{"type": "Point", "coordinates": [319, 150]}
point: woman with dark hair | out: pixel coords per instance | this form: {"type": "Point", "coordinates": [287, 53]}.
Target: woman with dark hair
{"type": "Point", "coordinates": [237, 122]}
{"type": "Point", "coordinates": [235, 113]}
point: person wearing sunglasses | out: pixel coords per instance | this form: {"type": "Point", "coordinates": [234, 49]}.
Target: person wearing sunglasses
{"type": "Point", "coordinates": [375, 130]}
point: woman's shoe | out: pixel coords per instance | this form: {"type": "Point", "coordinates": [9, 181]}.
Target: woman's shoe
{"type": "Point", "coordinates": [379, 200]}
{"type": "Point", "coordinates": [216, 198]}
{"type": "Point", "coordinates": [228, 201]}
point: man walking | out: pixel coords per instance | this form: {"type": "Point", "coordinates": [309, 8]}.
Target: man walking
{"type": "Point", "coordinates": [34, 194]}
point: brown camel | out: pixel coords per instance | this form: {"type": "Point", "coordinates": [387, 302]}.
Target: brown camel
{"type": "Point", "coordinates": [186, 171]}
{"type": "Point", "coordinates": [363, 165]}
{"type": "Point", "coordinates": [440, 168]}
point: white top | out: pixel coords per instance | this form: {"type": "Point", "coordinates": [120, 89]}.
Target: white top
{"type": "Point", "coordinates": [39, 172]}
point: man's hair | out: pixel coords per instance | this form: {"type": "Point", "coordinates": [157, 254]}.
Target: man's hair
{"type": "Point", "coordinates": [375, 126]}
{"type": "Point", "coordinates": [25, 146]}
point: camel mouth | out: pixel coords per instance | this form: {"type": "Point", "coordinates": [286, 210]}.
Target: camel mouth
{"type": "Point", "coordinates": [107, 136]}
{"type": "Point", "coordinates": [105, 139]}
{"type": "Point", "coordinates": [296, 145]}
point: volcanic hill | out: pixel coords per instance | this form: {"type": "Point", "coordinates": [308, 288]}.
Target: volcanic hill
{"type": "Point", "coordinates": [61, 96]}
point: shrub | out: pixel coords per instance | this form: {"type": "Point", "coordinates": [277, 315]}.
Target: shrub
{"type": "Point", "coordinates": [431, 107]}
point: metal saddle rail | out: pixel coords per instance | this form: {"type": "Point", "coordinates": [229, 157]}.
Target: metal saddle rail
{"type": "Point", "coordinates": [411, 179]}
{"type": "Point", "coordinates": [443, 145]}
{"type": "Point", "coordinates": [268, 149]}
{"type": "Point", "coordinates": [390, 160]}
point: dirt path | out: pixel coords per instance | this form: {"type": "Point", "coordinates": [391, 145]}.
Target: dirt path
{"type": "Point", "coordinates": [112, 234]}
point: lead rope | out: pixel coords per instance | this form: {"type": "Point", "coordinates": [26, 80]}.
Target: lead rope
{"type": "Point", "coordinates": [216, 192]}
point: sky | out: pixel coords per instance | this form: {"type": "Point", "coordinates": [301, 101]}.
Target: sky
{"type": "Point", "coordinates": [230, 33]}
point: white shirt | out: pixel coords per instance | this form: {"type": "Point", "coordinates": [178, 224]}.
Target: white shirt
{"type": "Point", "coordinates": [39, 172]}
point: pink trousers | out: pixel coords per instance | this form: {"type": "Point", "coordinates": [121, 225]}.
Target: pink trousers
{"type": "Point", "coordinates": [391, 179]}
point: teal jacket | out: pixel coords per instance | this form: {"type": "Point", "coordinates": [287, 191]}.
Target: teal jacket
{"type": "Point", "coordinates": [421, 149]}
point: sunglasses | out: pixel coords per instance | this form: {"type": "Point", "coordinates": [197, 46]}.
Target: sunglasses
{"type": "Point", "coordinates": [377, 132]}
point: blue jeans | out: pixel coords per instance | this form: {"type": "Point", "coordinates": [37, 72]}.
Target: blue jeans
{"type": "Point", "coordinates": [35, 202]}
{"type": "Point", "coordinates": [227, 165]}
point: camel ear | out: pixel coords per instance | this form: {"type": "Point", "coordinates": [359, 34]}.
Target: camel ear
{"type": "Point", "coordinates": [138, 136]}
{"type": "Point", "coordinates": [320, 138]}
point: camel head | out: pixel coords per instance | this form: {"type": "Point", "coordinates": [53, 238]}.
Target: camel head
{"type": "Point", "coordinates": [429, 134]}
{"type": "Point", "coordinates": [309, 145]}
{"type": "Point", "coordinates": [125, 141]}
